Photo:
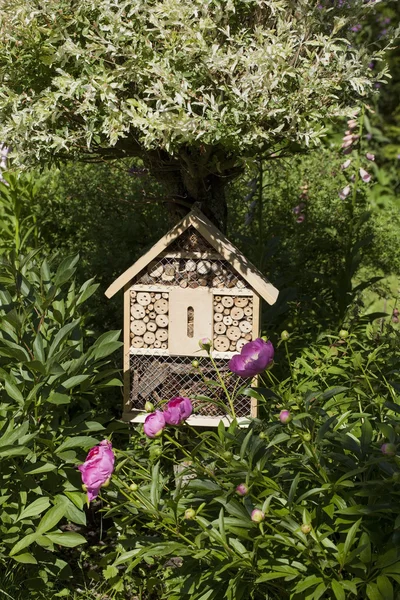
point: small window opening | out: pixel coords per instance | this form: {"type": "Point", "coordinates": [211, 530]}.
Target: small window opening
{"type": "Point", "coordinates": [190, 322]}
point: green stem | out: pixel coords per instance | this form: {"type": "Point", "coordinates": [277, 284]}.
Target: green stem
{"type": "Point", "coordinates": [288, 358]}
{"type": "Point", "coordinates": [222, 382]}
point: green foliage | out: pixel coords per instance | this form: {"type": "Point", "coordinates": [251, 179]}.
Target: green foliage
{"type": "Point", "coordinates": [50, 375]}
{"type": "Point", "coordinates": [326, 265]}
{"type": "Point", "coordinates": [207, 82]}
{"type": "Point", "coordinates": [329, 494]}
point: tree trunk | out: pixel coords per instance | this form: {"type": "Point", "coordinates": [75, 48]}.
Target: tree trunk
{"type": "Point", "coordinates": [188, 183]}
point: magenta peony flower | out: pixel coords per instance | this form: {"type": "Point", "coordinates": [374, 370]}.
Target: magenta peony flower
{"type": "Point", "coordinates": [344, 192]}
{"type": "Point", "coordinates": [257, 515]}
{"type": "Point", "coordinates": [177, 410]}
{"type": "Point", "coordinates": [97, 468]}
{"type": "Point", "coordinates": [253, 358]}
{"type": "Point", "coordinates": [242, 489]}
{"type": "Point", "coordinates": [284, 416]}
{"type": "Point", "coordinates": [365, 176]}
{"type": "Point", "coordinates": [154, 424]}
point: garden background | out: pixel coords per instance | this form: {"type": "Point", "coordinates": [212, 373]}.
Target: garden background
{"type": "Point", "coordinates": [79, 204]}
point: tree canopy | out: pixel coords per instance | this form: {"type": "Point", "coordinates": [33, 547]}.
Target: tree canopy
{"type": "Point", "coordinates": [193, 87]}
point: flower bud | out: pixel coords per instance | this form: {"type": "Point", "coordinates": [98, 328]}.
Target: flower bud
{"type": "Point", "coordinates": [257, 515]}
{"type": "Point", "coordinates": [307, 437]}
{"type": "Point", "coordinates": [285, 416]}
{"type": "Point", "coordinates": [205, 344]}
{"type": "Point", "coordinates": [263, 435]}
{"type": "Point", "coordinates": [195, 364]}
{"type": "Point", "coordinates": [155, 452]}
{"type": "Point", "coordinates": [388, 449]}
{"type": "Point", "coordinates": [227, 455]}
{"type": "Point", "coordinates": [343, 334]}
{"type": "Point", "coordinates": [134, 487]}
{"type": "Point", "coordinates": [242, 489]}
{"type": "Point", "coordinates": [285, 335]}
{"type": "Point", "coordinates": [149, 407]}
{"type": "Point", "coordinates": [306, 528]}
{"type": "Point", "coordinates": [190, 513]}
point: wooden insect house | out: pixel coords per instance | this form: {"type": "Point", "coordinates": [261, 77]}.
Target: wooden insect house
{"type": "Point", "coordinates": [192, 284]}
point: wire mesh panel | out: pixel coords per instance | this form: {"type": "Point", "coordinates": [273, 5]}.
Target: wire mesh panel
{"type": "Point", "coordinates": [159, 378]}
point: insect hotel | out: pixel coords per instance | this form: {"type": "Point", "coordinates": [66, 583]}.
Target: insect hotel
{"type": "Point", "coordinates": [192, 284]}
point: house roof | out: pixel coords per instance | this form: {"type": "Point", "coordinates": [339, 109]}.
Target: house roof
{"type": "Point", "coordinates": [217, 240]}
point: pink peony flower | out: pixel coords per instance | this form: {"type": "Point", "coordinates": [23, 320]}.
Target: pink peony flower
{"type": "Point", "coordinates": [344, 192]}
{"type": "Point", "coordinates": [346, 164]}
{"type": "Point", "coordinates": [284, 416]}
{"type": "Point", "coordinates": [205, 344]}
{"type": "Point", "coordinates": [388, 449]}
{"type": "Point", "coordinates": [253, 358]}
{"type": "Point", "coordinates": [154, 424]}
{"type": "Point", "coordinates": [97, 468]}
{"type": "Point", "coordinates": [257, 515]}
{"type": "Point", "coordinates": [242, 489]}
{"type": "Point", "coordinates": [177, 411]}
{"type": "Point", "coordinates": [365, 176]}
{"type": "Point", "coordinates": [370, 156]}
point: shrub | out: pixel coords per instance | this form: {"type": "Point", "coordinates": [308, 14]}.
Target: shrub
{"type": "Point", "coordinates": [324, 484]}
{"type": "Point", "coordinates": [50, 374]}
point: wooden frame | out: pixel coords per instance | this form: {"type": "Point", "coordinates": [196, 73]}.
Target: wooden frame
{"type": "Point", "coordinates": [257, 288]}
{"type": "Point", "coordinates": [217, 240]}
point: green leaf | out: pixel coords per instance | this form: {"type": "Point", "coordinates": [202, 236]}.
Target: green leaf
{"type": "Point", "coordinates": [57, 398]}
{"type": "Point", "coordinates": [80, 441]}
{"type": "Point", "coordinates": [373, 592]}
{"type": "Point", "coordinates": [385, 587]}
{"type": "Point", "coordinates": [66, 269]}
{"type": "Point", "coordinates": [51, 518]}
{"type": "Point", "coordinates": [74, 381]}
{"type": "Point", "coordinates": [68, 539]}
{"type": "Point", "coordinates": [338, 590]}
{"type": "Point", "coordinates": [26, 541]}
{"type": "Point", "coordinates": [110, 572]}
{"type": "Point", "coordinates": [305, 584]}
{"type": "Point", "coordinates": [293, 489]}
{"type": "Point", "coordinates": [107, 349]}
{"type": "Point", "coordinates": [38, 349]}
{"type": "Point", "coordinates": [270, 576]}
{"type": "Point", "coordinates": [155, 489]}
{"type": "Point", "coordinates": [14, 392]}
{"type": "Point", "coordinates": [8, 451]}
{"type": "Point", "coordinates": [351, 537]}
{"type": "Point", "coordinates": [34, 509]}
{"type": "Point", "coordinates": [42, 468]}
{"type": "Point", "coordinates": [26, 559]}
{"type": "Point", "coordinates": [278, 439]}
{"type": "Point", "coordinates": [61, 336]}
